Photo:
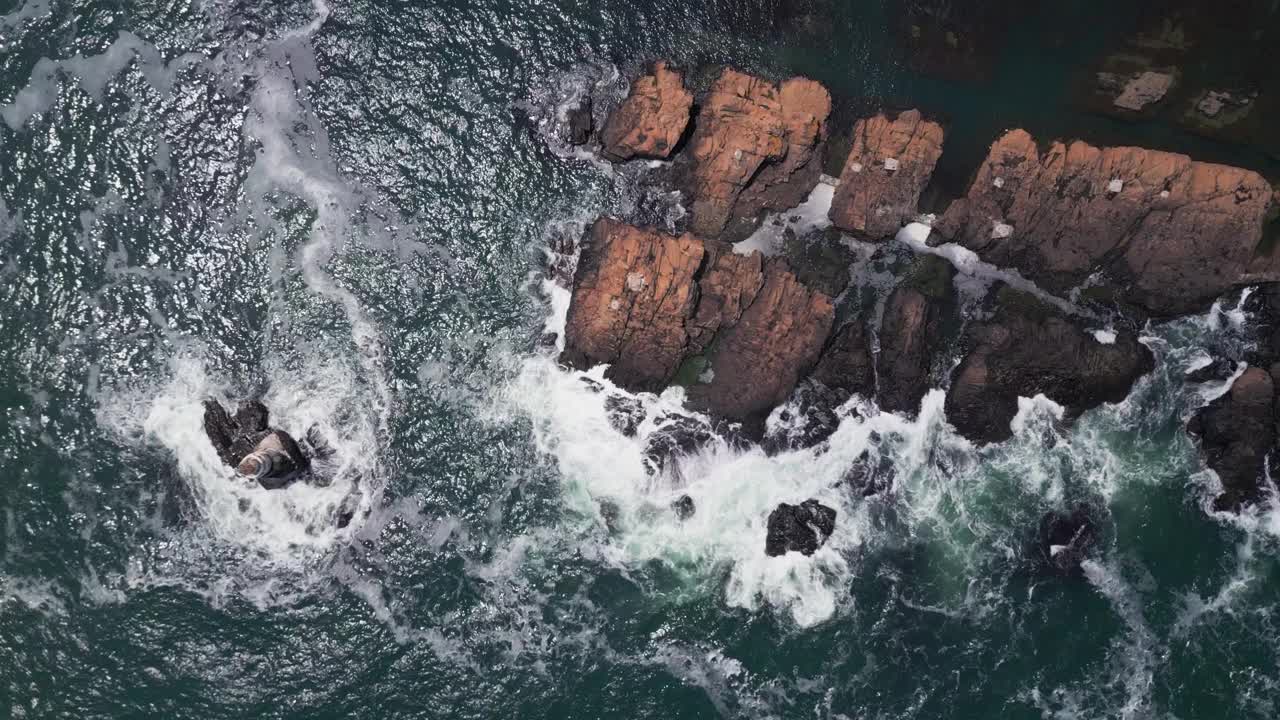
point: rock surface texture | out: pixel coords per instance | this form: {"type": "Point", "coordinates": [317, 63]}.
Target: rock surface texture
{"type": "Point", "coordinates": [799, 528]}
{"type": "Point", "coordinates": [911, 332]}
{"type": "Point", "coordinates": [1169, 233]}
{"type": "Point", "coordinates": [1027, 349]}
{"type": "Point", "coordinates": [646, 302]}
{"type": "Point", "coordinates": [651, 121]}
{"type": "Point", "coordinates": [757, 146]}
{"type": "Point", "coordinates": [1236, 431]}
{"type": "Point", "coordinates": [246, 442]}
{"type": "Point", "coordinates": [888, 168]}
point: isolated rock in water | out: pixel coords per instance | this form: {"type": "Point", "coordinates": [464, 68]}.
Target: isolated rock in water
{"type": "Point", "coordinates": [235, 437]}
{"type": "Point", "coordinates": [870, 475]}
{"type": "Point", "coordinates": [275, 461]}
{"type": "Point", "coordinates": [800, 528]}
{"type": "Point", "coordinates": [757, 146]}
{"type": "Point", "coordinates": [683, 507]}
{"type": "Point", "coordinates": [911, 331]}
{"type": "Point", "coordinates": [347, 510]}
{"type": "Point", "coordinates": [1236, 431]}
{"type": "Point", "coordinates": [1029, 348]}
{"type": "Point", "coordinates": [625, 413]}
{"type": "Point", "coordinates": [1065, 538]}
{"type": "Point", "coordinates": [632, 295]}
{"type": "Point", "coordinates": [675, 437]}
{"type": "Point", "coordinates": [846, 365]}
{"type": "Point", "coordinates": [247, 443]}
{"type": "Point", "coordinates": [1169, 234]}
{"type": "Point", "coordinates": [578, 122]}
{"type": "Point", "coordinates": [649, 123]}
{"type": "Point", "coordinates": [889, 165]}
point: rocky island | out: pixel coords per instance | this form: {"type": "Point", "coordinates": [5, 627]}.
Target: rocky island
{"type": "Point", "coordinates": [1107, 238]}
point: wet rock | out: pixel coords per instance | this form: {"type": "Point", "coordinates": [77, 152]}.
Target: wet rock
{"type": "Point", "coordinates": [611, 514]}
{"type": "Point", "coordinates": [754, 364]}
{"type": "Point", "coordinates": [1236, 431]}
{"type": "Point", "coordinates": [347, 510]}
{"type": "Point", "coordinates": [1064, 539]}
{"type": "Point", "coordinates": [578, 123]}
{"type": "Point", "coordinates": [675, 437]}
{"type": "Point", "coordinates": [625, 413]}
{"type": "Point", "coordinates": [799, 528]}
{"type": "Point", "coordinates": [275, 462]}
{"type": "Point", "coordinates": [235, 437]}
{"type": "Point", "coordinates": [1029, 348]}
{"type": "Point", "coordinates": [247, 443]}
{"type": "Point", "coordinates": [633, 292]}
{"type": "Point", "coordinates": [888, 168]}
{"type": "Point", "coordinates": [1169, 234]}
{"type": "Point", "coordinates": [650, 122]}
{"type": "Point", "coordinates": [757, 146]}
{"type": "Point", "coordinates": [741, 330]}
{"type": "Point", "coordinates": [1217, 370]}
{"type": "Point", "coordinates": [683, 507]}
{"type": "Point", "coordinates": [846, 365]}
{"type": "Point", "coordinates": [911, 332]}
{"type": "Point", "coordinates": [819, 260]}
{"type": "Point", "coordinates": [806, 420]}
{"type": "Point", "coordinates": [870, 474]}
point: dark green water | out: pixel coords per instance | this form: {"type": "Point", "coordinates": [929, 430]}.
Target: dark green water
{"type": "Point", "coordinates": [346, 207]}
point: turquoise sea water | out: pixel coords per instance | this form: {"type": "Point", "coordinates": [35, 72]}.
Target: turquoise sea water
{"type": "Point", "coordinates": [346, 208]}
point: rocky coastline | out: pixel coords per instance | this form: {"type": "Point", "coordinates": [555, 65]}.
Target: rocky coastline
{"type": "Point", "coordinates": [1106, 238]}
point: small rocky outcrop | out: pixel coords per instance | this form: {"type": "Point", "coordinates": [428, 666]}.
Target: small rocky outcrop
{"type": "Point", "coordinates": [651, 121]}
{"type": "Point", "coordinates": [757, 147]}
{"type": "Point", "coordinates": [1029, 348]}
{"type": "Point", "coordinates": [578, 122]}
{"type": "Point", "coordinates": [869, 474]}
{"type": "Point", "coordinates": [799, 528]}
{"type": "Point", "coordinates": [1064, 539]}
{"type": "Point", "coordinates": [911, 332]}
{"type": "Point", "coordinates": [675, 437]}
{"type": "Point", "coordinates": [807, 419]}
{"type": "Point", "coordinates": [1236, 431]}
{"type": "Point", "coordinates": [889, 165]}
{"type": "Point", "coordinates": [247, 443]}
{"type": "Point", "coordinates": [741, 330]}
{"type": "Point", "coordinates": [1169, 234]}
{"type": "Point", "coordinates": [683, 507]}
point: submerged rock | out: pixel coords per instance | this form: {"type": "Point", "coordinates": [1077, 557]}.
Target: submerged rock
{"type": "Point", "coordinates": [870, 475]}
{"type": "Point", "coordinates": [683, 507]}
{"type": "Point", "coordinates": [807, 419]}
{"type": "Point", "coordinates": [625, 413]}
{"type": "Point", "coordinates": [1029, 348]}
{"type": "Point", "coordinates": [1236, 432]}
{"type": "Point", "coordinates": [675, 437]}
{"type": "Point", "coordinates": [757, 146]}
{"type": "Point", "coordinates": [1168, 233]}
{"type": "Point", "coordinates": [888, 168]}
{"type": "Point", "coordinates": [799, 528]}
{"type": "Point", "coordinates": [650, 122]}
{"type": "Point", "coordinates": [1064, 539]}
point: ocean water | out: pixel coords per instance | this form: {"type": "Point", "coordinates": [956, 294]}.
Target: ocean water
{"type": "Point", "coordinates": [347, 209]}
